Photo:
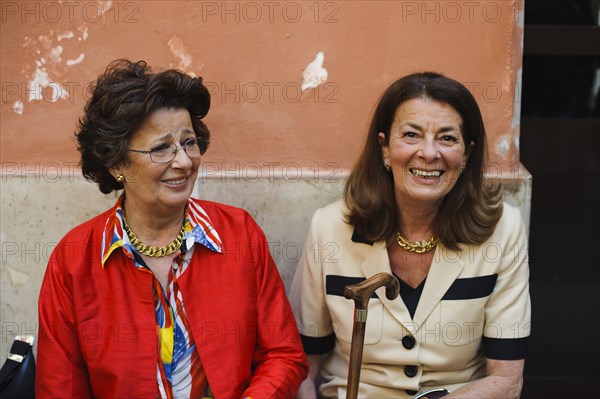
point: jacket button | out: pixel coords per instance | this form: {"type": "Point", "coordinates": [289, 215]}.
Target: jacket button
{"type": "Point", "coordinates": [411, 392]}
{"type": "Point", "coordinates": [410, 371]}
{"type": "Point", "coordinates": [408, 342]}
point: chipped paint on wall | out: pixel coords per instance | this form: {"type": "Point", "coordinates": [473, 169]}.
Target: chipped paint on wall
{"type": "Point", "coordinates": [183, 60]}
{"type": "Point", "coordinates": [18, 107]}
{"type": "Point", "coordinates": [41, 81]}
{"type": "Point", "coordinates": [520, 15]}
{"type": "Point", "coordinates": [84, 33]}
{"type": "Point", "coordinates": [516, 118]}
{"type": "Point", "coordinates": [54, 54]}
{"type": "Point", "coordinates": [103, 6]}
{"type": "Point", "coordinates": [77, 60]}
{"type": "Point", "coordinates": [65, 35]}
{"type": "Point", "coordinates": [503, 146]}
{"type": "Point", "coordinates": [46, 40]}
{"type": "Point", "coordinates": [48, 66]}
{"type": "Point", "coordinates": [314, 74]}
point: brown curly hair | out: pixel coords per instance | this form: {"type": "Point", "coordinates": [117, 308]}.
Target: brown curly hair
{"type": "Point", "coordinates": [122, 98]}
{"type": "Point", "coordinates": [472, 208]}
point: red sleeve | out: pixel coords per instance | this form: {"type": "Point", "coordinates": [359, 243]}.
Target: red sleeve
{"type": "Point", "coordinates": [279, 361]}
{"type": "Point", "coordinates": [61, 371]}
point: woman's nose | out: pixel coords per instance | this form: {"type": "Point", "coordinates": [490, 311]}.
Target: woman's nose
{"type": "Point", "coordinates": [181, 158]}
{"type": "Point", "coordinates": [428, 150]}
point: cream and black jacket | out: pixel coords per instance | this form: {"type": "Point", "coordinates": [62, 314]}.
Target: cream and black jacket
{"type": "Point", "coordinates": [475, 304]}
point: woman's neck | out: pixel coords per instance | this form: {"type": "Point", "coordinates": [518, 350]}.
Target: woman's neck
{"type": "Point", "coordinates": [154, 229]}
{"type": "Point", "coordinates": [417, 220]}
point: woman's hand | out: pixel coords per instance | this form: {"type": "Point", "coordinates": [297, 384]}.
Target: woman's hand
{"type": "Point", "coordinates": [504, 380]}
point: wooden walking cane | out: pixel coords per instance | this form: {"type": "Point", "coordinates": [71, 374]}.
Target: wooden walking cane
{"type": "Point", "coordinates": [361, 293]}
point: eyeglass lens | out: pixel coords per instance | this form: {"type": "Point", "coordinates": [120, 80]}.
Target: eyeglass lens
{"type": "Point", "coordinates": [167, 153]}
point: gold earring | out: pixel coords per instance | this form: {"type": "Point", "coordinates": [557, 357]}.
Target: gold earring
{"type": "Point", "coordinates": [387, 166]}
{"type": "Point", "coordinates": [120, 178]}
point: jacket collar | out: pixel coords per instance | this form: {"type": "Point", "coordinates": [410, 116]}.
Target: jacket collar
{"type": "Point", "coordinates": [358, 238]}
{"type": "Point", "coordinates": [445, 268]}
{"type": "Point", "coordinates": [198, 230]}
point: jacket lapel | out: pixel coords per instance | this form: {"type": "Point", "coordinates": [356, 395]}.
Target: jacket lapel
{"type": "Point", "coordinates": [445, 268]}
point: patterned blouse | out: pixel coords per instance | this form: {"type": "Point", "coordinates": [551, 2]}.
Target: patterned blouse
{"type": "Point", "coordinates": [179, 371]}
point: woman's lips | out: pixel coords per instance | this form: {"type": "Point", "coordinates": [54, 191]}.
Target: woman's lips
{"type": "Point", "coordinates": [175, 182]}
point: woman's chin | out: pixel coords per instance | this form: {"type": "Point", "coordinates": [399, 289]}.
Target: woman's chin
{"type": "Point", "coordinates": [175, 200]}
{"type": "Point", "coordinates": [424, 194]}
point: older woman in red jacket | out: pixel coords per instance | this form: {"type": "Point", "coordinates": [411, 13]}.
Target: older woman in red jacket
{"type": "Point", "coordinates": [162, 296]}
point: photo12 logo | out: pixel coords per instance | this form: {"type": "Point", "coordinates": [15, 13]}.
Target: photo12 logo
{"type": "Point", "coordinates": [290, 172]}
{"type": "Point", "coordinates": [289, 92]}
{"type": "Point", "coordinates": [39, 172]}
{"type": "Point", "coordinates": [270, 11]}
{"type": "Point", "coordinates": [69, 11]}
{"type": "Point", "coordinates": [451, 11]}
{"type": "Point", "coordinates": [45, 91]}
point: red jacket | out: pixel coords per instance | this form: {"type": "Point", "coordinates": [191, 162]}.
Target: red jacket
{"type": "Point", "coordinates": [98, 333]}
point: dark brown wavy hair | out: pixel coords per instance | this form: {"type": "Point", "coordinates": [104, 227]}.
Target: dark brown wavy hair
{"type": "Point", "coordinates": [469, 212]}
{"type": "Point", "coordinates": [122, 98]}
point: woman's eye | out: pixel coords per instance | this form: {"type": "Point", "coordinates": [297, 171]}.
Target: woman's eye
{"type": "Point", "coordinates": [449, 138]}
{"type": "Point", "coordinates": [160, 148]}
{"type": "Point", "coordinates": [190, 143]}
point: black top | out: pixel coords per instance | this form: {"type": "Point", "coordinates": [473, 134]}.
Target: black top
{"type": "Point", "coordinates": [410, 295]}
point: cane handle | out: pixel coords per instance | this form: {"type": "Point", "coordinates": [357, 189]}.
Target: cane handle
{"type": "Point", "coordinates": [362, 292]}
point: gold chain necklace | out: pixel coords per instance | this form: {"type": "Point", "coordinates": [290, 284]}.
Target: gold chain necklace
{"type": "Point", "coordinates": [419, 247]}
{"type": "Point", "coordinates": [156, 252]}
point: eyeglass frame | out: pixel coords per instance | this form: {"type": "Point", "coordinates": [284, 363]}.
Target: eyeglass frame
{"type": "Point", "coordinates": [174, 153]}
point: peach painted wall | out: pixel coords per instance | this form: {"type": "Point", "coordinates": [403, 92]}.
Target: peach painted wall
{"type": "Point", "coordinates": [252, 55]}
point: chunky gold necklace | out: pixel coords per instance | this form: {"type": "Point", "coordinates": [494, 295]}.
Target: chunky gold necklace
{"type": "Point", "coordinates": [156, 252]}
{"type": "Point", "coordinates": [419, 247]}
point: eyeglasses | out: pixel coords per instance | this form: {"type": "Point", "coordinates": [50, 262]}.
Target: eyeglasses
{"type": "Point", "coordinates": [166, 152]}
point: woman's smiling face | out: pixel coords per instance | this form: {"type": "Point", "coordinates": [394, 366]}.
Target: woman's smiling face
{"type": "Point", "coordinates": [425, 150]}
{"type": "Point", "coordinates": [152, 187]}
